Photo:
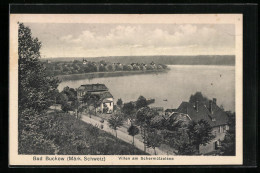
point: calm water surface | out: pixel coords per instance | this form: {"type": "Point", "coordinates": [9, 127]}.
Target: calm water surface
{"type": "Point", "coordinates": [174, 86]}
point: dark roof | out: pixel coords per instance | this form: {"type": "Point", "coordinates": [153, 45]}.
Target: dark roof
{"type": "Point", "coordinates": [93, 87]}
{"type": "Point", "coordinates": [157, 108]}
{"type": "Point", "coordinates": [171, 110]}
{"type": "Point", "coordinates": [107, 101]}
{"type": "Point", "coordinates": [218, 115]}
{"type": "Point", "coordinates": [105, 95]}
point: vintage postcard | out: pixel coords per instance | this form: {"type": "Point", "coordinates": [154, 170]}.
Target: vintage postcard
{"type": "Point", "coordinates": [126, 89]}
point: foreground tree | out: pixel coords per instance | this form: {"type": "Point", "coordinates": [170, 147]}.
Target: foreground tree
{"type": "Point", "coordinates": [129, 111]}
{"type": "Point", "coordinates": [200, 133]}
{"type": "Point", "coordinates": [32, 129]}
{"type": "Point", "coordinates": [36, 92]}
{"type": "Point", "coordinates": [144, 118]}
{"type": "Point", "coordinates": [76, 107]}
{"type": "Point", "coordinates": [141, 102]}
{"type": "Point", "coordinates": [184, 147]}
{"type": "Point", "coordinates": [71, 93]}
{"type": "Point", "coordinates": [198, 97]}
{"type": "Point", "coordinates": [62, 98]}
{"type": "Point", "coordinates": [133, 130]}
{"type": "Point", "coordinates": [92, 100]}
{"type": "Point", "coordinates": [173, 124]}
{"type": "Point", "coordinates": [153, 139]}
{"type": "Point", "coordinates": [36, 89]}
{"type": "Point", "coordinates": [115, 121]}
{"type": "Point", "coordinates": [119, 102]}
{"type": "Point", "coordinates": [95, 100]}
{"type": "Point", "coordinates": [179, 141]}
{"type": "Point", "coordinates": [66, 107]}
{"type": "Point", "coordinates": [85, 99]}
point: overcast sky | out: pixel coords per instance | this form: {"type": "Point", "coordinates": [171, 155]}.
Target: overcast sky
{"type": "Point", "coordinates": [93, 40]}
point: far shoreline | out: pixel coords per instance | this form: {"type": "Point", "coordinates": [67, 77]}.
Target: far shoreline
{"type": "Point", "coordinates": [107, 74]}
{"type": "Point", "coordinates": [93, 75]}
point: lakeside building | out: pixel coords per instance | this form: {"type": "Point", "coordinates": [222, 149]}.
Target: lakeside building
{"type": "Point", "coordinates": [106, 98]}
{"type": "Point", "coordinates": [212, 113]}
{"type": "Point", "coordinates": [84, 61]}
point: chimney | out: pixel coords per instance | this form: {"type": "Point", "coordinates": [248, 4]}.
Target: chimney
{"type": "Point", "coordinates": [210, 106]}
{"type": "Point", "coordinates": [197, 106]}
{"type": "Point", "coordinates": [215, 101]}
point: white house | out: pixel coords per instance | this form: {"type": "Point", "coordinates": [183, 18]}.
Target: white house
{"type": "Point", "coordinates": [106, 102]}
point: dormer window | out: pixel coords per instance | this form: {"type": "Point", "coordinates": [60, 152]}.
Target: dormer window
{"type": "Point", "coordinates": [213, 119]}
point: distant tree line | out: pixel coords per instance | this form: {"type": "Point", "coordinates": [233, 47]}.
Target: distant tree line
{"type": "Point", "coordinates": [79, 67]}
{"type": "Point", "coordinates": [164, 59]}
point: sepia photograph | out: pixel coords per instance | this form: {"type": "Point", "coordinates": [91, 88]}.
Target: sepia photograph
{"type": "Point", "coordinates": [125, 89]}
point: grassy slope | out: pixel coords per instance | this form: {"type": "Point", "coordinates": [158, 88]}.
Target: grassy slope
{"type": "Point", "coordinates": [74, 137]}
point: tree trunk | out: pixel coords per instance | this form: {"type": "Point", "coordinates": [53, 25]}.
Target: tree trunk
{"type": "Point", "coordinates": [116, 133]}
{"type": "Point", "coordinates": [91, 112]}
{"type": "Point", "coordinates": [198, 149]}
{"type": "Point", "coordinates": [144, 141]}
{"type": "Point", "coordinates": [55, 103]}
{"type": "Point", "coordinates": [133, 140]}
{"type": "Point", "coordinates": [154, 151]}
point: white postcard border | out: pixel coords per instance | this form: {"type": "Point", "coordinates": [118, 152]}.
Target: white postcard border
{"type": "Point", "coordinates": [16, 159]}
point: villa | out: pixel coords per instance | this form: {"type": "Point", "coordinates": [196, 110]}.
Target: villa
{"type": "Point", "coordinates": [106, 102]}
{"type": "Point", "coordinates": [212, 113]}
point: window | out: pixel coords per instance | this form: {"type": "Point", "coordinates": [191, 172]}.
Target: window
{"type": "Point", "coordinates": [220, 129]}
{"type": "Point", "coordinates": [217, 144]}
{"type": "Point", "coordinates": [215, 132]}
{"type": "Point", "coordinates": [227, 127]}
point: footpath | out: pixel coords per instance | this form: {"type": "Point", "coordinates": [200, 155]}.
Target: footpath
{"type": "Point", "coordinates": [123, 135]}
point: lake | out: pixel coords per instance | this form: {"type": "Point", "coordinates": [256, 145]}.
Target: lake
{"type": "Point", "coordinates": [175, 86]}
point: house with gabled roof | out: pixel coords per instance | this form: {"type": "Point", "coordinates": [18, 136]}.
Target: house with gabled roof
{"type": "Point", "coordinates": [91, 88]}
{"type": "Point", "coordinates": [213, 114]}
{"type": "Point", "coordinates": [106, 98]}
